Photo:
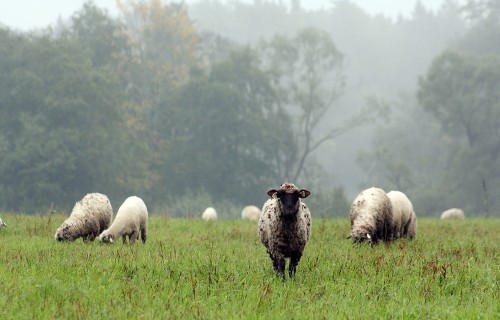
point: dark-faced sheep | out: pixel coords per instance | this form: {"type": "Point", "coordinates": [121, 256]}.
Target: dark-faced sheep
{"type": "Point", "coordinates": [89, 217]}
{"type": "Point", "coordinates": [131, 220]}
{"type": "Point", "coordinates": [371, 217]}
{"type": "Point", "coordinates": [285, 227]}
{"type": "Point", "coordinates": [403, 215]}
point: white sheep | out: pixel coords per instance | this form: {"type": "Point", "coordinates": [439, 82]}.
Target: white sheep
{"type": "Point", "coordinates": [2, 224]}
{"type": "Point", "coordinates": [371, 217]}
{"type": "Point", "coordinates": [209, 214]}
{"type": "Point", "coordinates": [250, 213]}
{"type": "Point", "coordinates": [403, 215]}
{"type": "Point", "coordinates": [453, 213]}
{"type": "Point", "coordinates": [89, 217]}
{"type": "Point", "coordinates": [131, 220]}
{"type": "Point", "coordinates": [285, 226]}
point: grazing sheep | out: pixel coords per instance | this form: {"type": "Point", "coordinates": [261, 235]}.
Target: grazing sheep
{"type": "Point", "coordinates": [250, 213]}
{"type": "Point", "coordinates": [131, 220]}
{"type": "Point", "coordinates": [89, 217]}
{"type": "Point", "coordinates": [453, 213]}
{"type": "Point", "coordinates": [285, 226]}
{"type": "Point", "coordinates": [2, 224]}
{"type": "Point", "coordinates": [209, 214]}
{"type": "Point", "coordinates": [403, 216]}
{"type": "Point", "coordinates": [371, 217]}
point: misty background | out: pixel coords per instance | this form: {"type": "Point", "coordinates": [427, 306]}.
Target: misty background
{"type": "Point", "coordinates": [212, 103]}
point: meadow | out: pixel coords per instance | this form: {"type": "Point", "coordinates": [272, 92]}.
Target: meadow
{"type": "Point", "coordinates": [192, 269]}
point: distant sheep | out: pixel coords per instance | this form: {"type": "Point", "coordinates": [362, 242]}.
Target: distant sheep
{"type": "Point", "coordinates": [285, 226]}
{"type": "Point", "coordinates": [89, 217]}
{"type": "Point", "coordinates": [403, 216]}
{"type": "Point", "coordinates": [371, 217]}
{"type": "Point", "coordinates": [209, 214]}
{"type": "Point", "coordinates": [453, 213]}
{"type": "Point", "coordinates": [2, 224]}
{"type": "Point", "coordinates": [250, 213]}
{"type": "Point", "coordinates": [131, 220]}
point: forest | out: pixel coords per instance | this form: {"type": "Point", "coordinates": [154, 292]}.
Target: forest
{"type": "Point", "coordinates": [213, 104]}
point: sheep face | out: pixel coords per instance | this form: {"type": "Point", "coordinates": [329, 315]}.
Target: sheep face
{"type": "Point", "coordinates": [107, 237]}
{"type": "Point", "coordinates": [288, 196]}
{"type": "Point", "coordinates": [64, 233]}
{"type": "Point", "coordinates": [360, 235]}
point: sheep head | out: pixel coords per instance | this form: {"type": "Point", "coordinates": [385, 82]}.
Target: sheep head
{"type": "Point", "coordinates": [107, 237]}
{"type": "Point", "coordinates": [359, 235]}
{"type": "Point", "coordinates": [288, 196]}
{"type": "Point", "coordinates": [64, 233]}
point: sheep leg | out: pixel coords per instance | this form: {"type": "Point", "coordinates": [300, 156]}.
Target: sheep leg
{"type": "Point", "coordinates": [124, 238]}
{"type": "Point", "coordinates": [143, 235]}
{"type": "Point", "coordinates": [294, 261]}
{"type": "Point", "coordinates": [279, 263]}
{"type": "Point", "coordinates": [133, 237]}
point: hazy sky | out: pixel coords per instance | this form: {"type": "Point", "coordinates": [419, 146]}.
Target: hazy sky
{"type": "Point", "coordinates": [30, 14]}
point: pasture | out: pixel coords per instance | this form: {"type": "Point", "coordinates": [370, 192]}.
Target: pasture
{"type": "Point", "coordinates": [191, 269]}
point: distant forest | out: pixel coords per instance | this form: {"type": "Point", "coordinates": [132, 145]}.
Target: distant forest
{"type": "Point", "coordinates": [214, 103]}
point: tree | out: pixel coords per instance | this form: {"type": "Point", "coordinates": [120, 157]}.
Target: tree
{"type": "Point", "coordinates": [308, 80]}
{"type": "Point", "coordinates": [463, 92]}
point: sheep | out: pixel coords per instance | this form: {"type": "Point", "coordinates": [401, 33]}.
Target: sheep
{"type": "Point", "coordinates": [285, 227]}
{"type": "Point", "coordinates": [2, 224]}
{"type": "Point", "coordinates": [131, 220]}
{"type": "Point", "coordinates": [250, 213]}
{"type": "Point", "coordinates": [453, 213]}
{"type": "Point", "coordinates": [209, 214]}
{"type": "Point", "coordinates": [403, 216]}
{"type": "Point", "coordinates": [89, 217]}
{"type": "Point", "coordinates": [371, 217]}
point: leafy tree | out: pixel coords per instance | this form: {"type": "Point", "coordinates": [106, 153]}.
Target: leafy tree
{"type": "Point", "coordinates": [307, 77]}
{"type": "Point", "coordinates": [463, 92]}
{"type": "Point", "coordinates": [224, 132]}
{"type": "Point", "coordinates": [60, 118]}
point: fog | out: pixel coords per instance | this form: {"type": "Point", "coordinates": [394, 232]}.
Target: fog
{"type": "Point", "coordinates": [214, 102]}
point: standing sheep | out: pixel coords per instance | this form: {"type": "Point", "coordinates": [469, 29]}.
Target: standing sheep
{"type": "Point", "coordinates": [371, 217]}
{"type": "Point", "coordinates": [403, 216]}
{"type": "Point", "coordinates": [131, 220]}
{"type": "Point", "coordinates": [250, 213]}
{"type": "Point", "coordinates": [2, 224]}
{"type": "Point", "coordinates": [209, 214]}
{"type": "Point", "coordinates": [453, 213]}
{"type": "Point", "coordinates": [89, 217]}
{"type": "Point", "coordinates": [285, 226]}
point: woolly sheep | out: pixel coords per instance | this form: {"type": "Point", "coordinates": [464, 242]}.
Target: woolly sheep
{"type": "Point", "coordinates": [371, 217]}
{"type": "Point", "coordinates": [250, 213]}
{"type": "Point", "coordinates": [453, 213]}
{"type": "Point", "coordinates": [89, 217]}
{"type": "Point", "coordinates": [285, 226]}
{"type": "Point", "coordinates": [403, 216]}
{"type": "Point", "coordinates": [2, 224]}
{"type": "Point", "coordinates": [131, 220]}
{"type": "Point", "coordinates": [209, 214]}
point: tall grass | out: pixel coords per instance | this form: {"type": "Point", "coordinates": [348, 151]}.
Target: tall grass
{"type": "Point", "coordinates": [219, 270]}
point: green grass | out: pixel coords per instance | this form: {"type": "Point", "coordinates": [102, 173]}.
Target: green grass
{"type": "Point", "coordinates": [220, 270]}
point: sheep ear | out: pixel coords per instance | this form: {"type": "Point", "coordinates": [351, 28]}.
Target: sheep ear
{"type": "Point", "coordinates": [303, 193]}
{"type": "Point", "coordinates": [111, 240]}
{"type": "Point", "coordinates": [271, 192]}
{"type": "Point", "coordinates": [368, 236]}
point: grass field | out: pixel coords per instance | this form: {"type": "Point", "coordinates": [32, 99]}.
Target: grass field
{"type": "Point", "coordinates": [192, 269]}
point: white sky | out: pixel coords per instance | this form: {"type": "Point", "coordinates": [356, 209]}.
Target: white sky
{"type": "Point", "coordinates": [31, 14]}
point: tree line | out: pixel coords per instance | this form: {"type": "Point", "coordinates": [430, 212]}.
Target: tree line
{"type": "Point", "coordinates": [149, 103]}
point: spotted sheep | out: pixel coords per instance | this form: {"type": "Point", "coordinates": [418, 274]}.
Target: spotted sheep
{"type": "Point", "coordinates": [285, 227]}
{"type": "Point", "coordinates": [89, 217]}
{"type": "Point", "coordinates": [371, 217]}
